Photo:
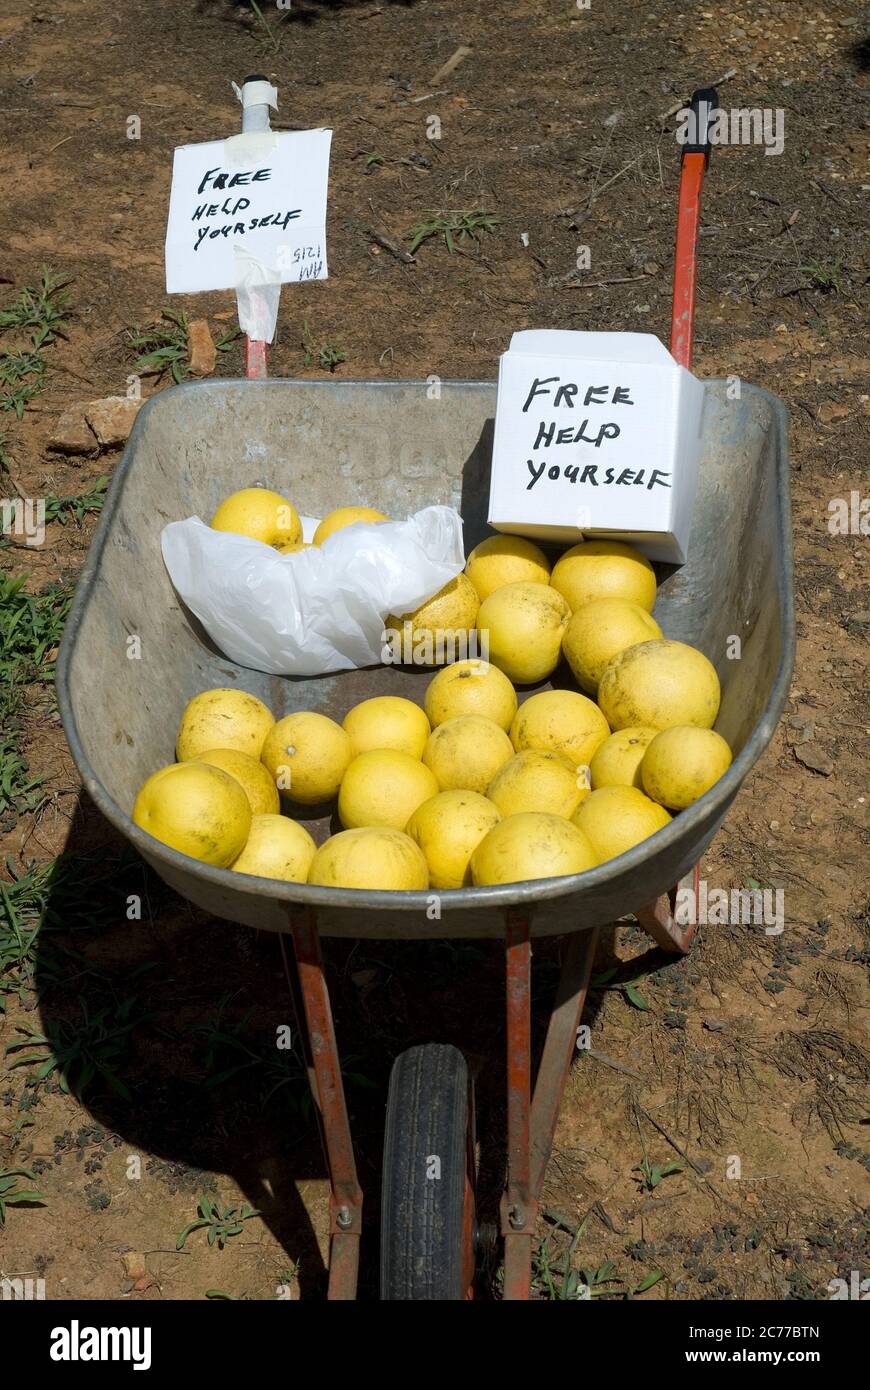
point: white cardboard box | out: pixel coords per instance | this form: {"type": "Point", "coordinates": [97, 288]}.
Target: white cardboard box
{"type": "Point", "coordinates": [596, 434]}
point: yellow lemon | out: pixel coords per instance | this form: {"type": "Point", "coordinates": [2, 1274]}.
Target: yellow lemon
{"type": "Point", "coordinates": [599, 631]}
{"type": "Point", "coordinates": [448, 828]}
{"type": "Point", "coordinates": [440, 629]}
{"type": "Point", "coordinates": [536, 781]}
{"type": "Point", "coordinates": [659, 683]}
{"type": "Point", "coordinates": [467, 752]}
{"type": "Point", "coordinates": [196, 809]}
{"type": "Point", "coordinates": [560, 721]}
{"type": "Point", "coordinates": [523, 625]}
{"type": "Point", "coordinates": [615, 819]}
{"type": "Point", "coordinates": [223, 718]}
{"type": "Point", "coordinates": [307, 754]}
{"type": "Point", "coordinates": [383, 787]}
{"type": "Point", "coordinates": [604, 569]}
{"type": "Point", "coordinates": [250, 774]}
{"type": "Point", "coordinates": [470, 687]}
{"type": "Point", "coordinates": [682, 763]}
{"type": "Point", "coordinates": [345, 516]}
{"type": "Point", "coordinates": [501, 560]}
{"type": "Point", "coordinates": [387, 721]}
{"type": "Point", "coordinates": [370, 858]}
{"type": "Point", "coordinates": [616, 762]}
{"type": "Point", "coordinates": [263, 515]}
{"type": "Point", "coordinates": [531, 845]}
{"type": "Point", "coordinates": [277, 847]}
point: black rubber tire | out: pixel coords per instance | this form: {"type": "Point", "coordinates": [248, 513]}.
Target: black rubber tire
{"type": "Point", "coordinates": [421, 1216]}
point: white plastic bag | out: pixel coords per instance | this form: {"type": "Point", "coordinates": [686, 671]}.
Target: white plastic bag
{"type": "Point", "coordinates": [312, 611]}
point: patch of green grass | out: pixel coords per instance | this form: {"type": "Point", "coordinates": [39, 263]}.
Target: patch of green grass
{"type": "Point", "coordinates": [75, 506]}
{"type": "Point", "coordinates": [81, 1052]}
{"type": "Point", "coordinates": [556, 1278]}
{"type": "Point", "coordinates": [30, 630]}
{"type": "Point", "coordinates": [824, 276]}
{"type": "Point", "coordinates": [220, 1223]}
{"type": "Point", "coordinates": [327, 357]}
{"type": "Point", "coordinates": [42, 902]}
{"type": "Point", "coordinates": [43, 311]}
{"type": "Point", "coordinates": [163, 346]}
{"type": "Point", "coordinates": [39, 315]}
{"type": "Point", "coordinates": [453, 227]}
{"type": "Point", "coordinates": [11, 1194]}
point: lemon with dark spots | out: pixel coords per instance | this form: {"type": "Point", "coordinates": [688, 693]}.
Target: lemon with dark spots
{"type": "Point", "coordinates": [199, 810]}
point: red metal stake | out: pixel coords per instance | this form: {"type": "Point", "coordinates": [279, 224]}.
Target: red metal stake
{"type": "Point", "coordinates": [255, 359]}
{"type": "Point", "coordinates": [685, 262]}
{"type": "Point", "coordinates": [696, 156]}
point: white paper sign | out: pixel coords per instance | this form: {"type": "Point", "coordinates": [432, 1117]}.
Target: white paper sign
{"type": "Point", "coordinates": [596, 434]}
{"type": "Point", "coordinates": [259, 196]}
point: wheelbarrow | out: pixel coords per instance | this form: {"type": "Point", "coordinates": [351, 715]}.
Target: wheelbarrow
{"type": "Point", "coordinates": [329, 443]}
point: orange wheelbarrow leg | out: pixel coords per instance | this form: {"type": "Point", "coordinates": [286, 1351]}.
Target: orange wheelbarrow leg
{"type": "Point", "coordinates": [345, 1206]}
{"type": "Point", "coordinates": [532, 1122]}
{"type": "Point", "coordinates": [661, 919]}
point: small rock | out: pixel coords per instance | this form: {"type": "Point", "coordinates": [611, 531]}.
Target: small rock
{"type": "Point", "coordinates": [829, 411]}
{"type": "Point", "coordinates": [200, 348]}
{"type": "Point", "coordinates": [814, 759]}
{"type": "Point", "coordinates": [651, 267]}
{"type": "Point", "coordinates": [72, 434]}
{"type": "Point", "coordinates": [715, 1025]}
{"type": "Point", "coordinates": [138, 1275]}
{"type": "Point", "coordinates": [800, 730]}
{"type": "Point", "coordinates": [112, 419]}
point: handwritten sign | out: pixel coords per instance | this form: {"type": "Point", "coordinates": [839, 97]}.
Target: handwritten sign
{"type": "Point", "coordinates": [595, 433]}
{"type": "Point", "coordinates": [260, 195]}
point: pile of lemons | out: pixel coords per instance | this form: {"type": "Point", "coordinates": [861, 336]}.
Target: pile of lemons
{"type": "Point", "coordinates": [474, 786]}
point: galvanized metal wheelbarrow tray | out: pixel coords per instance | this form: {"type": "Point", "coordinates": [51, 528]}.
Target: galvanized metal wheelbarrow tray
{"type": "Point", "coordinates": [329, 443]}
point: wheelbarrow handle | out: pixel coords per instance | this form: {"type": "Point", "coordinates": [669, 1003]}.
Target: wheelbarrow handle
{"type": "Point", "coordinates": [696, 157]}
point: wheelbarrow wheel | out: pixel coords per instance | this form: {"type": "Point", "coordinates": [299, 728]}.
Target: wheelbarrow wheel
{"type": "Point", "coordinates": [427, 1192]}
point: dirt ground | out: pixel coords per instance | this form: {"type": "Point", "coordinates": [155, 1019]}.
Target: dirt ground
{"type": "Point", "coordinates": [745, 1063]}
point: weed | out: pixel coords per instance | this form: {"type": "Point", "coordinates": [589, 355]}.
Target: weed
{"type": "Point", "coordinates": [40, 314]}
{"type": "Point", "coordinates": [824, 277]}
{"type": "Point", "coordinates": [328, 357]}
{"type": "Point", "coordinates": [221, 1224]}
{"type": "Point", "coordinates": [165, 346]}
{"type": "Point", "coordinates": [13, 1195]}
{"type": "Point", "coordinates": [453, 227]}
{"type": "Point", "coordinates": [627, 988]}
{"type": "Point", "coordinates": [269, 39]}
{"type": "Point", "coordinates": [557, 1278]}
{"type": "Point", "coordinates": [652, 1174]}
{"type": "Point", "coordinates": [30, 629]}
{"type": "Point", "coordinates": [375, 160]}
{"type": "Point", "coordinates": [44, 311]}
{"type": "Point", "coordinates": [83, 1051]}
{"type": "Point", "coordinates": [75, 506]}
